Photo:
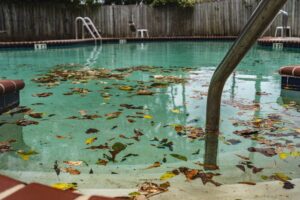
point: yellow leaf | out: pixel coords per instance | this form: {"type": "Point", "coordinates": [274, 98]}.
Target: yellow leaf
{"type": "Point", "coordinates": [90, 140]}
{"type": "Point", "coordinates": [282, 176]}
{"type": "Point", "coordinates": [148, 117]}
{"type": "Point", "coordinates": [295, 153]}
{"type": "Point", "coordinates": [126, 88]}
{"type": "Point", "coordinates": [167, 176]}
{"type": "Point", "coordinates": [297, 130]}
{"type": "Point", "coordinates": [283, 155]}
{"type": "Point", "coordinates": [26, 155]}
{"type": "Point", "coordinates": [64, 186]}
{"type": "Point", "coordinates": [175, 111]}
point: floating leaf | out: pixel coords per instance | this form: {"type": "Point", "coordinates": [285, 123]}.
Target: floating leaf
{"type": "Point", "coordinates": [24, 122]}
{"type": "Point", "coordinates": [36, 115]}
{"type": "Point", "coordinates": [180, 157]}
{"type": "Point", "coordinates": [283, 155]}
{"type": "Point", "coordinates": [90, 140]}
{"type": "Point", "coordinates": [144, 92]}
{"type": "Point", "coordinates": [65, 186]}
{"type": "Point", "coordinates": [26, 155]}
{"type": "Point", "coordinates": [112, 115]}
{"type": "Point", "coordinates": [126, 88]}
{"type": "Point", "coordinates": [91, 130]}
{"type": "Point", "coordinates": [148, 117]}
{"type": "Point", "coordinates": [175, 111]}
{"type": "Point", "coordinates": [46, 94]}
{"type": "Point", "coordinates": [167, 176]}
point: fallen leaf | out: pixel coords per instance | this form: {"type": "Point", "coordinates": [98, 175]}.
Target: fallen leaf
{"type": "Point", "coordinates": [36, 115]}
{"type": "Point", "coordinates": [156, 164]}
{"type": "Point", "coordinates": [65, 186]}
{"type": "Point", "coordinates": [102, 162]}
{"type": "Point", "coordinates": [90, 140]}
{"type": "Point", "coordinates": [288, 185]}
{"type": "Point", "coordinates": [283, 155]}
{"type": "Point", "coordinates": [91, 130]}
{"type": "Point", "coordinates": [46, 94]}
{"type": "Point", "coordinates": [126, 88]}
{"type": "Point", "coordinates": [24, 122]}
{"type": "Point", "coordinates": [72, 171]}
{"type": "Point", "coordinates": [175, 111]}
{"type": "Point", "coordinates": [247, 183]}
{"type": "Point", "coordinates": [241, 167]}
{"type": "Point", "coordinates": [148, 117]}
{"type": "Point", "coordinates": [26, 155]}
{"type": "Point", "coordinates": [167, 176]}
{"type": "Point", "coordinates": [144, 92]}
{"type": "Point", "coordinates": [269, 152]}
{"type": "Point", "coordinates": [73, 163]}
{"type": "Point", "coordinates": [112, 115]}
{"type": "Point", "coordinates": [180, 157]}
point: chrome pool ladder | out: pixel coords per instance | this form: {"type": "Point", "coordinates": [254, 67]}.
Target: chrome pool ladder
{"type": "Point", "coordinates": [89, 26]}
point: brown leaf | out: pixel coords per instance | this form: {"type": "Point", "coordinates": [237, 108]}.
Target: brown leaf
{"type": "Point", "coordinates": [269, 152]}
{"type": "Point", "coordinates": [45, 94]}
{"type": "Point", "coordinates": [156, 164]}
{"type": "Point", "coordinates": [72, 171]}
{"type": "Point", "coordinates": [144, 92]}
{"type": "Point", "coordinates": [241, 167]}
{"type": "Point", "coordinates": [24, 122]}
{"type": "Point", "coordinates": [91, 130]}
{"type": "Point", "coordinates": [247, 183]}
{"type": "Point", "coordinates": [102, 162]}
{"type": "Point", "coordinates": [36, 115]}
{"type": "Point", "coordinates": [256, 170]}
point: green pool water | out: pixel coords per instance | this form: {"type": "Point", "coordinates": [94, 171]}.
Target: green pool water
{"type": "Point", "coordinates": [57, 138]}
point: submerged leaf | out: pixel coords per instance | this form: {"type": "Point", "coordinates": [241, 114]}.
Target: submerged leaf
{"type": "Point", "coordinates": [156, 164]}
{"type": "Point", "coordinates": [72, 171]}
{"type": "Point", "coordinates": [26, 155]}
{"type": "Point", "coordinates": [90, 140]}
{"type": "Point", "coordinates": [180, 157]}
{"type": "Point", "coordinates": [167, 176]}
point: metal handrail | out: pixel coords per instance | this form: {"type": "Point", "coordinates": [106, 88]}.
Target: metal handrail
{"type": "Point", "coordinates": [260, 19]}
{"type": "Point", "coordinates": [86, 22]}
{"type": "Point", "coordinates": [89, 22]}
{"type": "Point", "coordinates": [281, 12]}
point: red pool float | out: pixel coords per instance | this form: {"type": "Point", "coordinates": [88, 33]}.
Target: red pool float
{"type": "Point", "coordinates": [290, 77]}
{"type": "Point", "coordinates": [10, 94]}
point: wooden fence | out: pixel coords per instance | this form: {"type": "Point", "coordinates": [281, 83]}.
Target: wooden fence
{"type": "Point", "coordinates": [24, 21]}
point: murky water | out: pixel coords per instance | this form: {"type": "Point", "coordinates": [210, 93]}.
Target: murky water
{"type": "Point", "coordinates": [165, 123]}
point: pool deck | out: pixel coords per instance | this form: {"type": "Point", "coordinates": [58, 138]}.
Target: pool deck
{"type": "Point", "coordinates": [30, 44]}
{"type": "Point", "coordinates": [286, 41]}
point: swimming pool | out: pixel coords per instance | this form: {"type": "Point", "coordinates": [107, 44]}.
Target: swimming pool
{"type": "Point", "coordinates": [130, 112]}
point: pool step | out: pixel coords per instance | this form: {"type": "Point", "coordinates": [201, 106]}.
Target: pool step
{"type": "Point", "coordinates": [11, 189]}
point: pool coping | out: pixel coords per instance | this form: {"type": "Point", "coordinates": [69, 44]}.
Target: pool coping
{"type": "Point", "coordinates": [66, 42]}
{"type": "Point", "coordinates": [293, 42]}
